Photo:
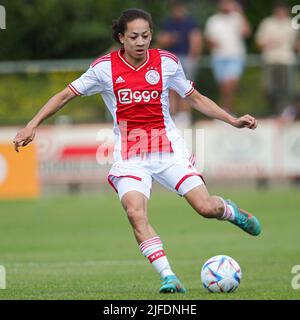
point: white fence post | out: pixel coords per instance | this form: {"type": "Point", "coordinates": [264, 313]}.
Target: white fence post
{"type": "Point", "coordinates": [2, 17]}
{"type": "Point", "coordinates": [2, 277]}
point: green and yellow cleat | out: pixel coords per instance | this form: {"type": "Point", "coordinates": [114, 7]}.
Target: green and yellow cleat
{"type": "Point", "coordinates": [171, 284]}
{"type": "Point", "coordinates": [245, 220]}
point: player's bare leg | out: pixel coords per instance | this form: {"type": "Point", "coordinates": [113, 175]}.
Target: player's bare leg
{"type": "Point", "coordinates": [135, 204]}
{"type": "Point", "coordinates": [218, 208]}
{"type": "Point", "coordinates": [150, 244]}
{"type": "Point", "coordinates": [206, 205]}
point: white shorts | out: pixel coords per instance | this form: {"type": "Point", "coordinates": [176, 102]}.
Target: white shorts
{"type": "Point", "coordinates": [136, 174]}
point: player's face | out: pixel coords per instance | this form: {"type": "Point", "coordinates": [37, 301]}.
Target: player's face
{"type": "Point", "coordinates": [227, 6]}
{"type": "Point", "coordinates": [281, 13]}
{"type": "Point", "coordinates": [136, 40]}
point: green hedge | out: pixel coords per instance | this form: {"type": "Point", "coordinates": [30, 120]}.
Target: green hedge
{"type": "Point", "coordinates": [66, 29]}
{"type": "Point", "coordinates": [21, 96]}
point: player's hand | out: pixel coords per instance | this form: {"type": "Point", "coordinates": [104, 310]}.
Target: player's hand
{"type": "Point", "coordinates": [245, 121]}
{"type": "Point", "coordinates": [24, 137]}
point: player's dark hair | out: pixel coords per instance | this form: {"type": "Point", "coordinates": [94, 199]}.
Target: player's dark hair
{"type": "Point", "coordinates": [119, 26]}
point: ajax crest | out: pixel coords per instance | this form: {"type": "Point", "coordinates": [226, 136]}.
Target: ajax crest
{"type": "Point", "coordinates": [152, 77]}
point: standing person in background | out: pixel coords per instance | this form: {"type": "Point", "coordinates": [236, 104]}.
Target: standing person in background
{"type": "Point", "coordinates": [292, 111]}
{"type": "Point", "coordinates": [225, 32]}
{"type": "Point", "coordinates": [181, 35]}
{"type": "Point", "coordinates": [277, 40]}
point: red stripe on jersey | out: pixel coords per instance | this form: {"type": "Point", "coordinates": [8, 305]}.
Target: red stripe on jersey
{"type": "Point", "coordinates": [185, 177]}
{"type": "Point", "coordinates": [139, 111]}
{"type": "Point", "coordinates": [156, 255]}
{"type": "Point", "coordinates": [168, 54]}
{"type": "Point", "coordinates": [101, 59]}
{"type": "Point", "coordinates": [164, 55]}
{"type": "Point", "coordinates": [74, 90]}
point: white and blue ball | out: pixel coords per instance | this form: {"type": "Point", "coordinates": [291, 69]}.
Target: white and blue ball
{"type": "Point", "coordinates": [221, 274]}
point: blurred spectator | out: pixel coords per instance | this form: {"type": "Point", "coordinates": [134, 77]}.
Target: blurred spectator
{"type": "Point", "coordinates": [181, 35]}
{"type": "Point", "coordinates": [292, 111]}
{"type": "Point", "coordinates": [277, 40]}
{"type": "Point", "coordinates": [225, 32]}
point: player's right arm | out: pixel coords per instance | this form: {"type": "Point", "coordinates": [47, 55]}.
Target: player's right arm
{"type": "Point", "coordinates": [26, 135]}
{"type": "Point", "coordinates": [87, 84]}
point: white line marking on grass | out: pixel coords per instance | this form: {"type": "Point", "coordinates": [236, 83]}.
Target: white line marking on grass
{"type": "Point", "coordinates": [85, 263]}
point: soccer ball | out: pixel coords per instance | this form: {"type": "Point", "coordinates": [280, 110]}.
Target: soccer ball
{"type": "Point", "coordinates": [221, 274]}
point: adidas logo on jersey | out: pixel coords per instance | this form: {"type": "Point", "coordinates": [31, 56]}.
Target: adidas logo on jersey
{"type": "Point", "coordinates": [120, 80]}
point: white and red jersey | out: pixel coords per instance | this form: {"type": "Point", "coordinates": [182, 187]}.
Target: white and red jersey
{"type": "Point", "coordinates": [138, 99]}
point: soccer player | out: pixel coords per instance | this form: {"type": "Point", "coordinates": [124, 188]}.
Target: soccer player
{"type": "Point", "coordinates": [134, 83]}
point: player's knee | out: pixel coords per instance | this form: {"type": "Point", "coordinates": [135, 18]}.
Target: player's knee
{"type": "Point", "coordinates": [206, 208]}
{"type": "Point", "coordinates": [137, 217]}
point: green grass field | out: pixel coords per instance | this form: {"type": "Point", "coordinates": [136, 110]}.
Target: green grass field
{"type": "Point", "coordinates": [83, 247]}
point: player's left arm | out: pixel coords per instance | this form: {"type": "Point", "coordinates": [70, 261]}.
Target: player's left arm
{"type": "Point", "coordinates": [212, 110]}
